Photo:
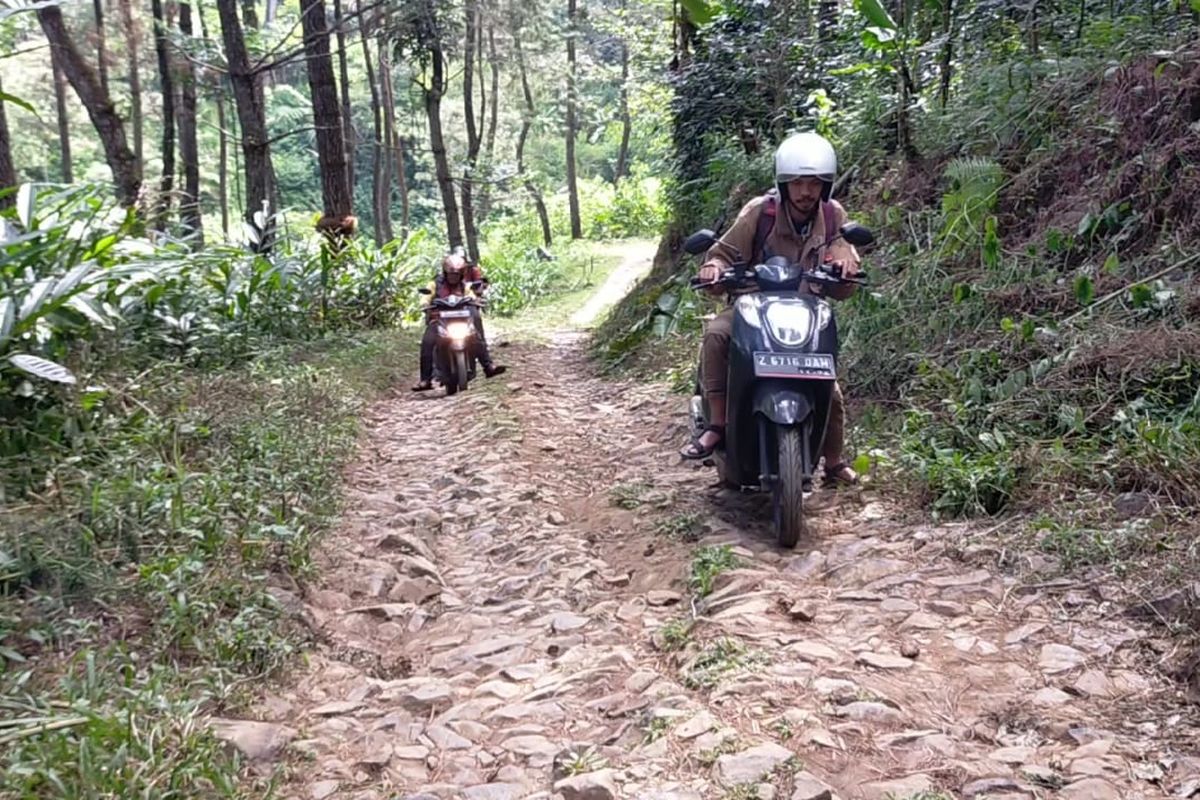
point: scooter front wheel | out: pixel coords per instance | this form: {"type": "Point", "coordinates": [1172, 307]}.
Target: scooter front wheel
{"type": "Point", "coordinates": [788, 493]}
{"type": "Point", "coordinates": [461, 377]}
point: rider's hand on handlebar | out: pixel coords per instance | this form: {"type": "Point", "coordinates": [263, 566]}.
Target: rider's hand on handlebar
{"type": "Point", "coordinates": [709, 274]}
{"type": "Point", "coordinates": [842, 269]}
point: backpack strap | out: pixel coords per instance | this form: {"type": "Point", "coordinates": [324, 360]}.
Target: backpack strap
{"type": "Point", "coordinates": [766, 222]}
{"type": "Point", "coordinates": [829, 219]}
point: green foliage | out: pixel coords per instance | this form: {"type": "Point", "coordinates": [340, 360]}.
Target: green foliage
{"type": "Point", "coordinates": [719, 658]}
{"type": "Point", "coordinates": [708, 563]}
{"type": "Point", "coordinates": [973, 186]}
{"type": "Point", "coordinates": [181, 512]}
{"type": "Point", "coordinates": [675, 635]}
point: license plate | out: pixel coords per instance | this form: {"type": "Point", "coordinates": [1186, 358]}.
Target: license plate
{"type": "Point", "coordinates": [454, 314]}
{"type": "Point", "coordinates": [794, 365]}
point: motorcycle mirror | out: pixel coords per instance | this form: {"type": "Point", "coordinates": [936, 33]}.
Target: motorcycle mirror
{"type": "Point", "coordinates": [857, 235]}
{"type": "Point", "coordinates": [699, 242]}
{"type": "Point", "coordinates": [424, 290]}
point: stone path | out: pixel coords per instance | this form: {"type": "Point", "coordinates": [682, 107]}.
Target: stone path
{"type": "Point", "coordinates": [506, 613]}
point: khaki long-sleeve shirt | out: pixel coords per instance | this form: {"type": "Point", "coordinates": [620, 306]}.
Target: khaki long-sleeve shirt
{"type": "Point", "coordinates": [738, 243]}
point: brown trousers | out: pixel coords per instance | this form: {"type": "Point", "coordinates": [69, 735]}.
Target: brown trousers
{"type": "Point", "coordinates": [714, 355]}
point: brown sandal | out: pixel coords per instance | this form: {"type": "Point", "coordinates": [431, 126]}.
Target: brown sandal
{"type": "Point", "coordinates": [694, 451]}
{"type": "Point", "coordinates": [840, 473]}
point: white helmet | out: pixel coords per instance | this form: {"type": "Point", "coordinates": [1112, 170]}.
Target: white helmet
{"type": "Point", "coordinates": [804, 155]}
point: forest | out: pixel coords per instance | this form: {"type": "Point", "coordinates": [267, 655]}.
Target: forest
{"type": "Point", "coordinates": [214, 219]}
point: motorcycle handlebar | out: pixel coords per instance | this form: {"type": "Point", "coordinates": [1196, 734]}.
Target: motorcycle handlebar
{"type": "Point", "coordinates": [735, 277]}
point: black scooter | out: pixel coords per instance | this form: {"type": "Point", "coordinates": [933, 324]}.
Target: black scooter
{"type": "Point", "coordinates": [782, 364]}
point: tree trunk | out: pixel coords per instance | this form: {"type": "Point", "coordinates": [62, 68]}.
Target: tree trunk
{"type": "Point", "coordinates": [64, 121]}
{"type": "Point", "coordinates": [101, 44]}
{"type": "Point", "coordinates": [386, 162]}
{"type": "Point", "coordinates": [947, 52]}
{"type": "Point", "coordinates": [223, 166]}
{"type": "Point", "coordinates": [489, 147]}
{"type": "Point", "coordinates": [166, 182]}
{"type": "Point", "coordinates": [473, 138]}
{"type": "Point", "coordinates": [8, 175]}
{"type": "Point", "coordinates": [127, 173]}
{"type": "Point", "coordinates": [393, 152]}
{"type": "Point", "coordinates": [401, 177]}
{"type": "Point", "coordinates": [437, 143]}
{"type": "Point", "coordinates": [379, 190]}
{"type": "Point", "coordinates": [189, 206]}
{"type": "Point", "coordinates": [349, 139]}
{"type": "Point", "coordinates": [826, 20]}
{"type": "Point", "coordinates": [327, 117]}
{"type": "Point", "coordinates": [256, 148]}
{"type": "Point", "coordinates": [572, 183]}
{"type": "Point", "coordinates": [132, 42]}
{"type": "Point", "coordinates": [526, 123]}
{"type": "Point", "coordinates": [626, 123]}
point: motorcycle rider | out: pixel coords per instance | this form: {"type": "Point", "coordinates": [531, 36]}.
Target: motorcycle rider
{"type": "Point", "coordinates": [793, 220]}
{"type": "Point", "coordinates": [455, 278]}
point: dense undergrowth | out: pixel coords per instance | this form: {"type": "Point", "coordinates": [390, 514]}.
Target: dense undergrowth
{"type": "Point", "coordinates": [172, 430]}
{"type": "Point", "coordinates": [1031, 340]}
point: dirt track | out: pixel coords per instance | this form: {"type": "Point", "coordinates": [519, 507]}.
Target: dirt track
{"type": "Point", "coordinates": [498, 612]}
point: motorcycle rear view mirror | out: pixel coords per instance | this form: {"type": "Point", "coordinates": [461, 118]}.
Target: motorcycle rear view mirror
{"type": "Point", "coordinates": [699, 242]}
{"type": "Point", "coordinates": [857, 235]}
{"type": "Point", "coordinates": [424, 290]}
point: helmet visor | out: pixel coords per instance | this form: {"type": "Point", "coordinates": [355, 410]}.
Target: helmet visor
{"type": "Point", "coordinates": [789, 177]}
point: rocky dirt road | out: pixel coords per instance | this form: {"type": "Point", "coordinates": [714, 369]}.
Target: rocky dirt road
{"type": "Point", "coordinates": [508, 611]}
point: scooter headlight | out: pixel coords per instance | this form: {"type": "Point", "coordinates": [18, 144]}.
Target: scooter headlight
{"type": "Point", "coordinates": [458, 331]}
{"type": "Point", "coordinates": [790, 323]}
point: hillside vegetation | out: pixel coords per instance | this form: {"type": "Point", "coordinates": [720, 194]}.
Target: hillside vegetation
{"type": "Point", "coordinates": [1030, 343]}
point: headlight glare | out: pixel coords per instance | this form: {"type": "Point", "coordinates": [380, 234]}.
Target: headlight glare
{"type": "Point", "coordinates": [790, 323]}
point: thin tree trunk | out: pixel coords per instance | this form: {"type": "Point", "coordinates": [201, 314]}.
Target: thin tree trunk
{"type": "Point", "coordinates": [401, 178]}
{"type": "Point", "coordinates": [572, 183]}
{"type": "Point", "coordinates": [223, 164]}
{"type": "Point", "coordinates": [626, 123]}
{"type": "Point", "coordinates": [383, 221]}
{"type": "Point", "coordinates": [132, 43]}
{"type": "Point", "coordinates": [8, 175]}
{"type": "Point", "coordinates": [217, 86]}
{"type": "Point", "coordinates": [101, 44]}
{"type": "Point", "coordinates": [256, 148]}
{"type": "Point", "coordinates": [386, 162]}
{"type": "Point", "coordinates": [189, 149]}
{"type": "Point", "coordinates": [947, 52]}
{"type": "Point", "coordinates": [473, 137]}
{"type": "Point", "coordinates": [393, 153]}
{"type": "Point", "coordinates": [526, 124]}
{"type": "Point", "coordinates": [64, 121]}
{"type": "Point", "coordinates": [826, 20]}
{"type": "Point", "coordinates": [166, 182]}
{"type": "Point", "coordinates": [489, 147]}
{"type": "Point", "coordinates": [350, 140]}
{"type": "Point", "coordinates": [127, 173]}
{"type": "Point", "coordinates": [327, 117]}
{"type": "Point", "coordinates": [437, 143]}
